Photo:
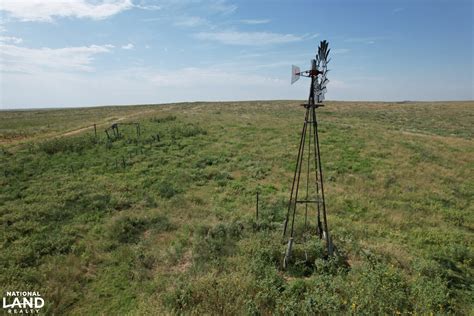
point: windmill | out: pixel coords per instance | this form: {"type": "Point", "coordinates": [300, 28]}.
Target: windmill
{"type": "Point", "coordinates": [313, 184]}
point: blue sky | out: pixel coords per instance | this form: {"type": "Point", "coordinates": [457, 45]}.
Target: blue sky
{"type": "Point", "coordinates": [62, 53]}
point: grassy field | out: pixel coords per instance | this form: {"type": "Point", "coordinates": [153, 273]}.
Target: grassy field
{"type": "Point", "coordinates": [141, 225]}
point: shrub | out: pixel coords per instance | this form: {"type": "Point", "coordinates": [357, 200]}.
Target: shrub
{"type": "Point", "coordinates": [168, 118]}
{"type": "Point", "coordinates": [167, 190]}
{"type": "Point", "coordinates": [429, 294]}
{"type": "Point", "coordinates": [429, 290]}
{"type": "Point", "coordinates": [275, 210]}
{"type": "Point", "coordinates": [67, 144]}
{"type": "Point", "coordinates": [378, 289]}
{"type": "Point", "coordinates": [327, 294]}
{"type": "Point", "coordinates": [219, 242]}
{"type": "Point", "coordinates": [210, 161]}
{"type": "Point", "coordinates": [87, 202]}
{"type": "Point", "coordinates": [188, 130]}
{"type": "Point", "coordinates": [210, 294]}
{"type": "Point", "coordinates": [127, 229]}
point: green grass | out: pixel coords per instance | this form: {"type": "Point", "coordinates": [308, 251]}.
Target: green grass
{"type": "Point", "coordinates": [148, 226]}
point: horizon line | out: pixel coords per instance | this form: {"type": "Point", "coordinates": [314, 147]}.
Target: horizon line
{"type": "Point", "coordinates": [227, 101]}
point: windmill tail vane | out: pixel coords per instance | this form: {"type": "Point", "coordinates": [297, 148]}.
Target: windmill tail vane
{"type": "Point", "coordinates": [312, 187]}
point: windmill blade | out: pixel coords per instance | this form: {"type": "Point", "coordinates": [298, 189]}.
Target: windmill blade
{"type": "Point", "coordinates": [317, 73]}
{"type": "Point", "coordinates": [326, 54]}
{"type": "Point", "coordinates": [324, 82]}
{"type": "Point", "coordinates": [324, 75]}
{"type": "Point", "coordinates": [323, 51]}
{"type": "Point", "coordinates": [295, 73]}
{"type": "Point", "coordinates": [321, 91]}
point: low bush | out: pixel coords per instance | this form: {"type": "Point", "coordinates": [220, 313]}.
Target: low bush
{"type": "Point", "coordinates": [378, 288]}
{"type": "Point", "coordinates": [187, 130]}
{"type": "Point", "coordinates": [127, 229]}
{"type": "Point", "coordinates": [209, 161]}
{"type": "Point", "coordinates": [219, 242]}
{"type": "Point", "coordinates": [166, 189]}
{"type": "Point", "coordinates": [210, 294]}
{"type": "Point", "coordinates": [168, 118]}
{"type": "Point", "coordinates": [67, 145]}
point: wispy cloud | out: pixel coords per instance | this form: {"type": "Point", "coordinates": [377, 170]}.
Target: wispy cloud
{"type": "Point", "coordinates": [46, 11]}
{"type": "Point", "coordinates": [222, 6]}
{"type": "Point", "coordinates": [397, 10]}
{"type": "Point", "coordinates": [253, 22]}
{"type": "Point", "coordinates": [33, 60]}
{"type": "Point", "coordinates": [190, 21]}
{"type": "Point", "coordinates": [11, 39]}
{"type": "Point", "coordinates": [128, 46]}
{"type": "Point", "coordinates": [248, 38]}
{"type": "Point", "coordinates": [151, 7]}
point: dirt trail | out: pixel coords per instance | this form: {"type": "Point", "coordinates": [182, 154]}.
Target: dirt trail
{"type": "Point", "coordinates": [82, 129]}
{"type": "Point", "coordinates": [103, 123]}
{"type": "Point", "coordinates": [106, 121]}
{"type": "Point", "coordinates": [76, 131]}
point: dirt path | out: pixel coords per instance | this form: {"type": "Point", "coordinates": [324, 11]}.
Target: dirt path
{"type": "Point", "coordinates": [82, 129]}
{"type": "Point", "coordinates": [76, 131]}
{"type": "Point", "coordinates": [103, 123]}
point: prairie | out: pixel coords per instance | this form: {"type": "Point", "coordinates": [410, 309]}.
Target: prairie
{"type": "Point", "coordinates": [164, 222]}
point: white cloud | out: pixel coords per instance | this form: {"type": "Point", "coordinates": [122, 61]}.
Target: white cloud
{"type": "Point", "coordinates": [11, 39]}
{"type": "Point", "coordinates": [150, 7]}
{"type": "Point", "coordinates": [222, 6]}
{"type": "Point", "coordinates": [45, 11]}
{"type": "Point", "coordinates": [190, 21]}
{"type": "Point", "coordinates": [37, 60]}
{"type": "Point", "coordinates": [128, 46]}
{"type": "Point", "coordinates": [256, 21]}
{"type": "Point", "coordinates": [248, 38]}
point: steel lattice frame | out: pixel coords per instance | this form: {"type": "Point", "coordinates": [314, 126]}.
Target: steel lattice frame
{"type": "Point", "coordinates": [318, 75]}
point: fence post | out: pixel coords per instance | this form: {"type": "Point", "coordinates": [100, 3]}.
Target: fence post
{"type": "Point", "coordinates": [256, 213]}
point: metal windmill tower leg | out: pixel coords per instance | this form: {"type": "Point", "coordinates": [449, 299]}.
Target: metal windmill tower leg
{"type": "Point", "coordinates": [320, 187]}
{"type": "Point", "coordinates": [293, 201]}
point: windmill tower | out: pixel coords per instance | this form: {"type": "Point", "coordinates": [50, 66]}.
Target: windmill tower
{"type": "Point", "coordinates": [308, 162]}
